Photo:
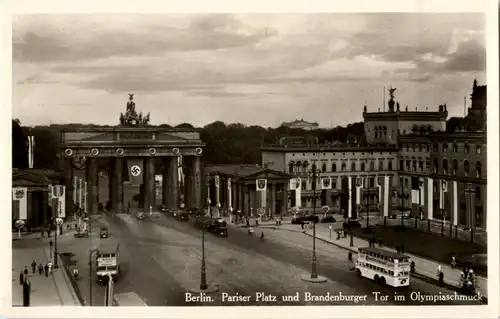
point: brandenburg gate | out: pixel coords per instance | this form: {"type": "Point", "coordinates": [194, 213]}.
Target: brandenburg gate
{"type": "Point", "coordinates": [137, 149]}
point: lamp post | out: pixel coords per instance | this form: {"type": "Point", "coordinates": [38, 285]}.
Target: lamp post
{"type": "Point", "coordinates": [368, 204]}
{"type": "Point", "coordinates": [204, 287]}
{"type": "Point", "coordinates": [313, 277]}
{"type": "Point", "coordinates": [91, 251]}
{"type": "Point", "coordinates": [57, 222]}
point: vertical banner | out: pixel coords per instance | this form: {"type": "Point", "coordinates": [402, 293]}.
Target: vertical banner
{"type": "Point", "coordinates": [430, 203]}
{"type": "Point", "coordinates": [50, 195]}
{"type": "Point", "coordinates": [75, 188]}
{"type": "Point", "coordinates": [350, 192]}
{"type": "Point", "coordinates": [85, 193]}
{"type": "Point", "coordinates": [135, 171]}
{"type": "Point", "coordinates": [454, 202]}
{"type": "Point", "coordinates": [58, 193]}
{"type": "Point", "coordinates": [80, 192]}
{"type": "Point", "coordinates": [415, 196]}
{"type": "Point", "coordinates": [262, 189]}
{"type": "Point", "coordinates": [217, 189]}
{"type": "Point", "coordinates": [379, 182]}
{"type": "Point", "coordinates": [20, 194]}
{"type": "Point", "coordinates": [387, 195]}
{"type": "Point", "coordinates": [443, 188]}
{"type": "Point", "coordinates": [31, 149]}
{"type": "Point", "coordinates": [229, 194]}
{"type": "Point", "coordinates": [295, 186]}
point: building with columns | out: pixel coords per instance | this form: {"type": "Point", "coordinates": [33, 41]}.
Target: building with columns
{"type": "Point", "coordinates": [234, 188]}
{"type": "Point", "coordinates": [409, 147]}
{"type": "Point", "coordinates": [136, 152]}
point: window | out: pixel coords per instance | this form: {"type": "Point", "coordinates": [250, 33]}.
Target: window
{"type": "Point", "coordinates": [466, 168]}
{"type": "Point", "coordinates": [419, 148]}
{"type": "Point", "coordinates": [455, 148]}
{"type": "Point", "coordinates": [372, 166]}
{"type": "Point", "coordinates": [478, 192]}
{"type": "Point", "coordinates": [401, 165]}
{"type": "Point", "coordinates": [421, 166]}
{"type": "Point", "coordinates": [414, 165]}
{"type": "Point", "coordinates": [435, 166]}
{"type": "Point", "coordinates": [435, 147]}
{"type": "Point", "coordinates": [362, 166]}
{"type": "Point", "coordinates": [334, 167]}
{"type": "Point", "coordinates": [466, 149]}
{"type": "Point", "coordinates": [303, 184]}
{"type": "Point", "coordinates": [454, 167]}
{"type": "Point", "coordinates": [390, 165]}
{"type": "Point", "coordinates": [445, 147]}
{"type": "Point", "coordinates": [478, 169]}
{"type": "Point", "coordinates": [478, 149]}
{"type": "Point", "coordinates": [353, 166]}
{"type": "Point", "coordinates": [344, 167]}
{"type": "Point", "coordinates": [445, 166]}
{"type": "Point", "coordinates": [323, 167]}
{"type": "Point", "coordinates": [408, 165]}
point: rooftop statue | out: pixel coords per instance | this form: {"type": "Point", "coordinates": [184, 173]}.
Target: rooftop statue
{"type": "Point", "coordinates": [131, 118]}
{"type": "Point", "coordinates": [391, 92]}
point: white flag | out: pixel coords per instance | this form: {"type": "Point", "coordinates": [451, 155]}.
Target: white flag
{"type": "Point", "coordinates": [20, 194]}
{"type": "Point", "coordinates": [326, 183]}
{"type": "Point", "coordinates": [261, 184]}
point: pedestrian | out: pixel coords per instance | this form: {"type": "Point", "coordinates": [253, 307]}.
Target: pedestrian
{"type": "Point", "coordinates": [439, 269]}
{"type": "Point", "coordinates": [380, 242]}
{"type": "Point", "coordinates": [50, 267]}
{"type": "Point", "coordinates": [21, 278]}
{"type": "Point", "coordinates": [402, 248]}
{"type": "Point", "coordinates": [33, 266]}
{"type": "Point", "coordinates": [41, 233]}
{"type": "Point", "coordinates": [48, 233]}
{"type": "Point", "coordinates": [453, 262]}
{"type": "Point", "coordinates": [301, 225]}
{"type": "Point", "coordinates": [338, 235]}
{"type": "Point", "coordinates": [26, 271]}
{"type": "Point", "coordinates": [46, 268]}
{"type": "Point", "coordinates": [40, 269]}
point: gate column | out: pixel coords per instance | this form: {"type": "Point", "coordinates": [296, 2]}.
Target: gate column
{"type": "Point", "coordinates": [92, 185]}
{"type": "Point", "coordinates": [69, 187]}
{"type": "Point", "coordinates": [112, 183]}
{"type": "Point", "coordinates": [118, 199]}
{"type": "Point", "coordinates": [170, 181]}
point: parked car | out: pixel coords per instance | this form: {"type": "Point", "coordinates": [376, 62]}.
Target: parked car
{"type": "Point", "coordinates": [164, 209]}
{"type": "Point", "coordinates": [474, 261]}
{"type": "Point", "coordinates": [328, 219]}
{"type": "Point", "coordinates": [353, 223]}
{"type": "Point", "coordinates": [304, 219]}
{"type": "Point", "coordinates": [140, 215]}
{"type": "Point", "coordinates": [182, 216]}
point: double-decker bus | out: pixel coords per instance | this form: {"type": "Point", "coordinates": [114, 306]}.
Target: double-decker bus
{"type": "Point", "coordinates": [384, 267]}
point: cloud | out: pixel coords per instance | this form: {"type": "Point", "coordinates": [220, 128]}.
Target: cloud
{"type": "Point", "coordinates": [83, 42]}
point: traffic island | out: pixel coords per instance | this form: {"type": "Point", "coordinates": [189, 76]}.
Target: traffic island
{"type": "Point", "coordinates": [211, 288]}
{"type": "Point", "coordinates": [309, 278]}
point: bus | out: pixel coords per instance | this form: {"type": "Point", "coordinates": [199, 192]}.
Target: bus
{"type": "Point", "coordinates": [128, 299]}
{"type": "Point", "coordinates": [384, 267]}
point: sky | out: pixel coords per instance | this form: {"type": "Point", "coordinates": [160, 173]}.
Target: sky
{"type": "Point", "coordinates": [255, 69]}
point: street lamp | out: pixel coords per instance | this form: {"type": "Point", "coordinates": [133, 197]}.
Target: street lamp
{"type": "Point", "coordinates": [57, 222]}
{"type": "Point", "coordinates": [204, 287]}
{"type": "Point", "coordinates": [368, 204]}
{"type": "Point", "coordinates": [314, 275]}
{"type": "Point", "coordinates": [91, 251]}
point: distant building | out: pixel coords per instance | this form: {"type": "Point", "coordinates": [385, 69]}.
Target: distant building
{"type": "Point", "coordinates": [301, 124]}
{"type": "Point", "coordinates": [412, 149]}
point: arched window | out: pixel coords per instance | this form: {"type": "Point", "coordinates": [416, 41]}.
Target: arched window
{"type": "Point", "coordinates": [376, 134]}
{"type": "Point", "coordinates": [362, 166]}
{"type": "Point", "coordinates": [353, 166]}
{"type": "Point", "coordinates": [421, 166]}
{"type": "Point", "coordinates": [435, 147]}
{"type": "Point", "coordinates": [344, 167]}
{"type": "Point", "coordinates": [323, 167]}
{"type": "Point", "coordinates": [380, 165]}
{"type": "Point", "coordinates": [478, 149]}
{"type": "Point", "coordinates": [435, 166]}
{"type": "Point", "coordinates": [454, 167]}
{"type": "Point", "coordinates": [466, 149]}
{"type": "Point", "coordinates": [299, 166]}
{"type": "Point", "coordinates": [372, 166]}
{"type": "Point", "coordinates": [445, 166]}
{"type": "Point", "coordinates": [466, 168]}
{"type": "Point", "coordinates": [478, 169]}
{"type": "Point", "coordinates": [390, 165]}
{"type": "Point", "coordinates": [334, 167]}
{"type": "Point", "coordinates": [401, 165]}
{"type": "Point", "coordinates": [455, 148]}
{"type": "Point", "coordinates": [445, 147]}
{"type": "Point", "coordinates": [290, 167]}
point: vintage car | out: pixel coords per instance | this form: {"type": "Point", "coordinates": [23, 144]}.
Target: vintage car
{"type": "Point", "coordinates": [104, 233]}
{"type": "Point", "coordinates": [140, 215]}
{"type": "Point", "coordinates": [182, 216]}
{"type": "Point", "coordinates": [164, 209]}
{"type": "Point", "coordinates": [304, 219]}
{"type": "Point", "coordinates": [352, 223]}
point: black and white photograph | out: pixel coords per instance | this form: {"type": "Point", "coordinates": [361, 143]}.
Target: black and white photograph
{"type": "Point", "coordinates": [217, 161]}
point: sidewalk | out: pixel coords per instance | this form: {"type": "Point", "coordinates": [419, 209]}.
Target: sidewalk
{"type": "Point", "coordinates": [54, 290]}
{"type": "Point", "coordinates": [271, 224]}
{"type": "Point", "coordinates": [424, 267]}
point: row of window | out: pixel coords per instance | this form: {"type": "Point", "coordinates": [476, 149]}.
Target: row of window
{"type": "Point", "coordinates": [435, 148]}
{"type": "Point", "coordinates": [454, 168]}
{"type": "Point", "coordinates": [303, 168]}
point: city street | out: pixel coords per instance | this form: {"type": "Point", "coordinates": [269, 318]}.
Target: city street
{"type": "Point", "coordinates": [161, 256]}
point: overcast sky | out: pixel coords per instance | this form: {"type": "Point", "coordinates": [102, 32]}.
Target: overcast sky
{"type": "Point", "coordinates": [252, 69]}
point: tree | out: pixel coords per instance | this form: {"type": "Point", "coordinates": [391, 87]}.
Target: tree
{"type": "Point", "coordinates": [19, 146]}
